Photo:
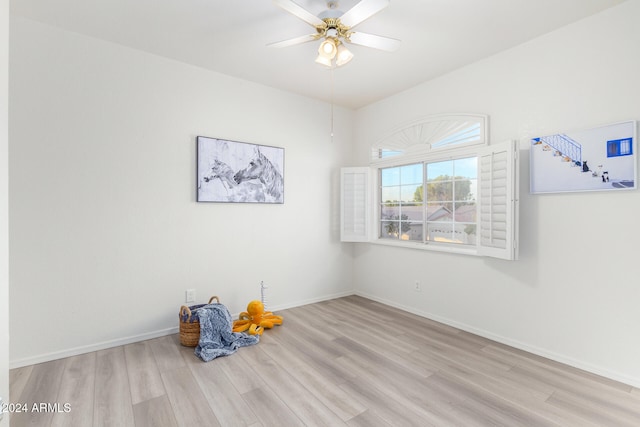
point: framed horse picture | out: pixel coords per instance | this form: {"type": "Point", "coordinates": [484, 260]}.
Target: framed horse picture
{"type": "Point", "coordinates": [239, 172]}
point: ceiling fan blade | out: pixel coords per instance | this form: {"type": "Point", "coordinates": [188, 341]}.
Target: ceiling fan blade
{"type": "Point", "coordinates": [300, 12]}
{"type": "Point", "coordinates": [363, 10]}
{"type": "Point", "coordinates": [294, 41]}
{"type": "Point", "coordinates": [376, 42]}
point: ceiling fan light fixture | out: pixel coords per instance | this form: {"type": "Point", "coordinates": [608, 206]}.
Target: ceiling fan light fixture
{"type": "Point", "coordinates": [323, 60]}
{"type": "Point", "coordinates": [328, 48]}
{"type": "Point", "coordinates": [332, 49]}
{"type": "Point", "coordinates": [343, 55]}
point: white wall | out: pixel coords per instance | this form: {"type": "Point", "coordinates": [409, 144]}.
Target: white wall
{"type": "Point", "coordinates": [574, 294]}
{"type": "Point", "coordinates": [4, 204]}
{"type": "Point", "coordinates": [106, 234]}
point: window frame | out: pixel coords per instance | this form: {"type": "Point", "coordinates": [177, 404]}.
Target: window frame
{"type": "Point", "coordinates": [409, 159]}
{"type": "Point", "coordinates": [424, 221]}
{"type": "Point", "coordinates": [426, 134]}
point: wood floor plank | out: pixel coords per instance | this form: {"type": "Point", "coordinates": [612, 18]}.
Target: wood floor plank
{"type": "Point", "coordinates": [513, 356]}
{"type": "Point", "coordinates": [520, 357]}
{"type": "Point", "coordinates": [507, 385]}
{"type": "Point", "coordinates": [387, 346]}
{"type": "Point", "coordinates": [188, 356]}
{"type": "Point", "coordinates": [237, 371]}
{"type": "Point", "coordinates": [300, 400]}
{"type": "Point", "coordinates": [18, 379]}
{"type": "Point", "coordinates": [609, 413]}
{"type": "Point", "coordinates": [425, 363]}
{"type": "Point", "coordinates": [310, 318]}
{"type": "Point", "coordinates": [479, 406]}
{"type": "Point", "coordinates": [270, 409]}
{"type": "Point", "coordinates": [367, 419]}
{"type": "Point", "coordinates": [391, 408]}
{"type": "Point", "coordinates": [226, 402]}
{"type": "Point", "coordinates": [156, 412]}
{"type": "Point", "coordinates": [77, 389]}
{"type": "Point", "coordinates": [309, 354]}
{"type": "Point", "coordinates": [577, 385]}
{"type": "Point", "coordinates": [329, 394]}
{"type": "Point", "coordinates": [306, 336]}
{"type": "Point", "coordinates": [320, 385]}
{"type": "Point", "coordinates": [342, 311]}
{"type": "Point", "coordinates": [189, 404]}
{"type": "Point", "coordinates": [403, 318]}
{"type": "Point", "coordinates": [42, 387]}
{"type": "Point", "coordinates": [368, 326]}
{"type": "Point", "coordinates": [112, 400]}
{"type": "Point", "coordinates": [166, 352]}
{"type": "Point", "coordinates": [443, 339]}
{"type": "Point", "coordinates": [470, 359]}
{"type": "Point", "coordinates": [432, 399]}
{"type": "Point", "coordinates": [375, 355]}
{"type": "Point", "coordinates": [363, 314]}
{"type": "Point", "coordinates": [144, 376]}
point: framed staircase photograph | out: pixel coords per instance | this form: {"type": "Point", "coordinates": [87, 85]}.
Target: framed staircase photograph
{"type": "Point", "coordinates": [597, 159]}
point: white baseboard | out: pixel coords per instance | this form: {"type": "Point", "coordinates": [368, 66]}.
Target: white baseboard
{"type": "Point", "coordinates": [47, 357]}
{"type": "Point", "coordinates": [616, 376]}
{"type": "Point", "coordinates": [311, 301]}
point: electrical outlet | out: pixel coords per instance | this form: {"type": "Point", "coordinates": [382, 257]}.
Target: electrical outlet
{"type": "Point", "coordinates": [416, 286]}
{"type": "Point", "coordinates": [190, 295]}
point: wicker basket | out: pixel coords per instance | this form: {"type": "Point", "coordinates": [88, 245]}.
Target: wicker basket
{"type": "Point", "coordinates": [190, 327]}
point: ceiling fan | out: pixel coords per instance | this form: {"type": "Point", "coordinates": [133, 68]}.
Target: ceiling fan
{"type": "Point", "coordinates": [335, 27]}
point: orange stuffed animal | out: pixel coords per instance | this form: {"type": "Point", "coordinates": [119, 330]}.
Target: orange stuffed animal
{"type": "Point", "coordinates": [255, 319]}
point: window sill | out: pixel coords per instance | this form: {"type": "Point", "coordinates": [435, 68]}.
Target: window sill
{"type": "Point", "coordinates": [434, 247]}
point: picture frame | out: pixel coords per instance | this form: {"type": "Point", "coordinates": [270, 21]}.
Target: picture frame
{"type": "Point", "coordinates": [597, 159]}
{"type": "Point", "coordinates": [239, 172]}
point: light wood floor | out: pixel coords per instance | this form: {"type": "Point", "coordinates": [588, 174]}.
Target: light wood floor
{"type": "Point", "coordinates": [349, 361]}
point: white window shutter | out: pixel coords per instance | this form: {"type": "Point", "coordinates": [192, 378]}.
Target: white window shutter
{"type": "Point", "coordinates": [354, 204]}
{"type": "Point", "coordinates": [498, 195]}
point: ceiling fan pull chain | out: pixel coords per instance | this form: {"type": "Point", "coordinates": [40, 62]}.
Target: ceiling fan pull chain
{"type": "Point", "coordinates": [332, 68]}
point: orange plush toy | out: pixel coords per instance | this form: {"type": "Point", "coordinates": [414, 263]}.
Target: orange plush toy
{"type": "Point", "coordinates": [255, 319]}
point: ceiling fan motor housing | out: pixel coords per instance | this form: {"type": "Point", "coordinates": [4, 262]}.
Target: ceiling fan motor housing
{"type": "Point", "coordinates": [334, 28]}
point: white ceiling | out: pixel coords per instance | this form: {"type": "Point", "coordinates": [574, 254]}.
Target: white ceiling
{"type": "Point", "coordinates": [230, 37]}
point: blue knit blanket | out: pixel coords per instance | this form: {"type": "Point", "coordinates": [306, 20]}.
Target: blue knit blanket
{"type": "Point", "coordinates": [216, 335]}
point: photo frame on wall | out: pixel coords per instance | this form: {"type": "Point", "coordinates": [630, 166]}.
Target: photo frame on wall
{"type": "Point", "coordinates": [597, 159]}
{"type": "Point", "coordinates": [239, 172]}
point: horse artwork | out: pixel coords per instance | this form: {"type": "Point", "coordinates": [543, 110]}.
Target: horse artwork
{"type": "Point", "coordinates": [247, 192]}
{"type": "Point", "coordinates": [238, 172]}
{"type": "Point", "coordinates": [262, 169]}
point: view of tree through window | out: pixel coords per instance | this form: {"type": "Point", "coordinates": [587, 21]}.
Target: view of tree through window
{"type": "Point", "coordinates": [446, 213]}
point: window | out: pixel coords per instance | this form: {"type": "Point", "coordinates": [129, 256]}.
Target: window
{"type": "Point", "coordinates": [439, 132]}
{"type": "Point", "coordinates": [619, 147]}
{"type": "Point", "coordinates": [401, 212]}
{"type": "Point", "coordinates": [429, 202]}
{"type": "Point", "coordinates": [461, 200]}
